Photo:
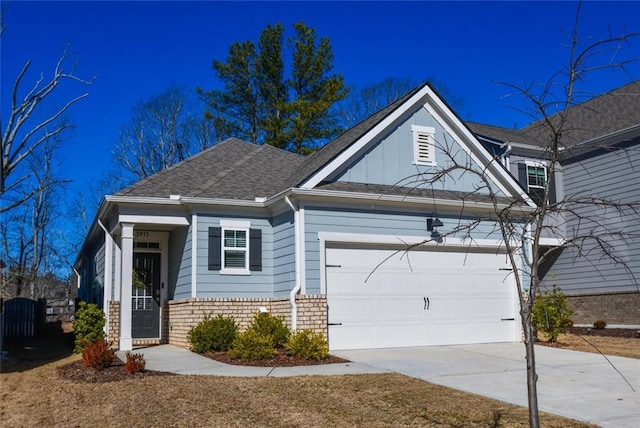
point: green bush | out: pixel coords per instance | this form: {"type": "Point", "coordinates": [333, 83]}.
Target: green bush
{"type": "Point", "coordinates": [251, 345]}
{"type": "Point", "coordinates": [213, 334]}
{"type": "Point", "coordinates": [271, 326]}
{"type": "Point", "coordinates": [88, 326]}
{"type": "Point", "coordinates": [599, 324]}
{"type": "Point", "coordinates": [308, 345]}
{"type": "Point", "coordinates": [551, 313]}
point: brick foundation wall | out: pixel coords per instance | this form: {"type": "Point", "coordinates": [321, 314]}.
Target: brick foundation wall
{"type": "Point", "coordinates": [186, 313]}
{"type": "Point", "coordinates": [113, 333]}
{"type": "Point", "coordinates": [614, 308]}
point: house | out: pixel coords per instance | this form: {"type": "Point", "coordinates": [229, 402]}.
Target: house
{"type": "Point", "coordinates": [320, 240]}
{"type": "Point", "coordinates": [599, 158]}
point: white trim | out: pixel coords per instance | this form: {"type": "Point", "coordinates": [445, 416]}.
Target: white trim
{"type": "Point", "coordinates": [126, 239]}
{"type": "Point", "coordinates": [354, 148]}
{"type": "Point", "coordinates": [107, 291]}
{"type": "Point", "coordinates": [154, 219]}
{"type": "Point", "coordinates": [551, 242]}
{"type": "Point", "coordinates": [194, 255]}
{"type": "Point", "coordinates": [297, 257]}
{"type": "Point", "coordinates": [235, 224]}
{"type": "Point", "coordinates": [118, 271]}
{"type": "Point", "coordinates": [303, 248]}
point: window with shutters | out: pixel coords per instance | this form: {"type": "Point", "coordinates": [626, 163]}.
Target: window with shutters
{"type": "Point", "coordinates": [423, 145]}
{"type": "Point", "coordinates": [235, 248]}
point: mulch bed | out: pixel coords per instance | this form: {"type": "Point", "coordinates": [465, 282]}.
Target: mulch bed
{"type": "Point", "coordinates": [76, 371]}
{"type": "Point", "coordinates": [281, 359]}
{"type": "Point", "coordinates": [607, 332]}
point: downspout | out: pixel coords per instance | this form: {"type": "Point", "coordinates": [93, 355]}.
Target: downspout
{"type": "Point", "coordinates": [298, 286]}
{"type": "Point", "coordinates": [505, 156]}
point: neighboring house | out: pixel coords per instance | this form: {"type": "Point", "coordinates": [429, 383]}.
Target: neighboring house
{"type": "Point", "coordinates": [599, 157]}
{"type": "Point", "coordinates": [241, 228]}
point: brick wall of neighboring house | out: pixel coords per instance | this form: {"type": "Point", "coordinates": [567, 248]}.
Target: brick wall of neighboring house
{"type": "Point", "coordinates": [614, 308]}
{"type": "Point", "coordinates": [185, 313]}
{"type": "Point", "coordinates": [113, 333]}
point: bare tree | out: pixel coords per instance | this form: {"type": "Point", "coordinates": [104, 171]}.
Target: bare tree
{"type": "Point", "coordinates": [26, 131]}
{"type": "Point", "coordinates": [521, 225]}
{"type": "Point", "coordinates": [163, 131]}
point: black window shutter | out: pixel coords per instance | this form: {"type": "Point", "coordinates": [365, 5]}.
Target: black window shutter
{"type": "Point", "coordinates": [522, 175]}
{"type": "Point", "coordinates": [552, 190]}
{"type": "Point", "coordinates": [255, 249]}
{"type": "Point", "coordinates": [215, 248]}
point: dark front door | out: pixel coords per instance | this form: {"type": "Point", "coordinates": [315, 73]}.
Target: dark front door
{"type": "Point", "coordinates": [145, 296]}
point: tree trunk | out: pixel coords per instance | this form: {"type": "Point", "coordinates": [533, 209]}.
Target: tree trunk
{"type": "Point", "coordinates": [532, 376]}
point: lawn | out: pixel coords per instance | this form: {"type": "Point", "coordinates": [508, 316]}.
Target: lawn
{"type": "Point", "coordinates": [33, 394]}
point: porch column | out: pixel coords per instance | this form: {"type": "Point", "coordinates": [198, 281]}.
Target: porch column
{"type": "Point", "coordinates": [126, 342]}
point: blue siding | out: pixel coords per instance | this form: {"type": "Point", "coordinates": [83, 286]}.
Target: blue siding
{"type": "Point", "coordinates": [179, 268]}
{"type": "Point", "coordinates": [389, 161]}
{"type": "Point", "coordinates": [370, 222]}
{"type": "Point", "coordinates": [284, 274]}
{"type": "Point", "coordinates": [613, 176]}
{"type": "Point", "coordinates": [213, 284]}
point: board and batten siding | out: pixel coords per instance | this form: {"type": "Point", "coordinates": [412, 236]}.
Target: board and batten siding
{"type": "Point", "coordinates": [213, 284]}
{"type": "Point", "coordinates": [614, 176]}
{"type": "Point", "coordinates": [284, 250]}
{"type": "Point", "coordinates": [179, 268]}
{"type": "Point", "coordinates": [369, 222]}
{"type": "Point", "coordinates": [390, 160]}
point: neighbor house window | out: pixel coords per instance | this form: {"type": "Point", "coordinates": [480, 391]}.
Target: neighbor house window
{"type": "Point", "coordinates": [423, 145]}
{"type": "Point", "coordinates": [533, 177]}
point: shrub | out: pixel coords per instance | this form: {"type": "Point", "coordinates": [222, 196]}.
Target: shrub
{"type": "Point", "coordinates": [135, 363]}
{"type": "Point", "coordinates": [308, 345]}
{"type": "Point", "coordinates": [251, 345]}
{"type": "Point", "coordinates": [271, 326]}
{"type": "Point", "coordinates": [98, 355]}
{"type": "Point", "coordinates": [551, 313]}
{"type": "Point", "coordinates": [599, 324]}
{"type": "Point", "coordinates": [88, 326]}
{"type": "Point", "coordinates": [213, 334]}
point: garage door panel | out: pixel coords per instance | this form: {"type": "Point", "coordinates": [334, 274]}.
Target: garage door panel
{"type": "Point", "coordinates": [445, 297]}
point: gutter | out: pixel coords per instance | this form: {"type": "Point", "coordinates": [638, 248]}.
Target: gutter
{"type": "Point", "coordinates": [298, 286]}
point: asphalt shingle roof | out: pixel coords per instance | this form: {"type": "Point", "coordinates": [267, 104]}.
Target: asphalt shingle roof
{"type": "Point", "coordinates": [614, 111]}
{"type": "Point", "coordinates": [232, 169]}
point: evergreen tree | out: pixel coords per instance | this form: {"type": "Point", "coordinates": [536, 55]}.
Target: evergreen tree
{"type": "Point", "coordinates": [259, 105]}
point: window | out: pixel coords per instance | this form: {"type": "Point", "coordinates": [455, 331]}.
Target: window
{"type": "Point", "coordinates": [423, 145]}
{"type": "Point", "coordinates": [533, 177]}
{"type": "Point", "coordinates": [235, 248]}
{"type": "Point", "coordinates": [536, 176]}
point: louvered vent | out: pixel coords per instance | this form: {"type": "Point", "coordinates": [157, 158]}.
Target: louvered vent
{"type": "Point", "coordinates": [423, 145]}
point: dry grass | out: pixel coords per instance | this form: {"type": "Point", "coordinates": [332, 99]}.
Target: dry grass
{"type": "Point", "coordinates": [620, 346]}
{"type": "Point", "coordinates": [37, 397]}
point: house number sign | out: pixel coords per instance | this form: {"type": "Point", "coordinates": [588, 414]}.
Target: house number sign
{"type": "Point", "coordinates": [141, 234]}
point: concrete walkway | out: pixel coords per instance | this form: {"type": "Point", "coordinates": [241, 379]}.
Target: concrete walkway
{"type": "Point", "coordinates": [168, 358]}
{"type": "Point", "coordinates": [578, 385]}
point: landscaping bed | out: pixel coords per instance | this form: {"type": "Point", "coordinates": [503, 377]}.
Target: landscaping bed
{"type": "Point", "coordinates": [281, 359]}
{"type": "Point", "coordinates": [605, 332]}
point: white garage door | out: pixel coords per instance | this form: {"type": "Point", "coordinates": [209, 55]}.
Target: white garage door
{"type": "Point", "coordinates": [418, 299]}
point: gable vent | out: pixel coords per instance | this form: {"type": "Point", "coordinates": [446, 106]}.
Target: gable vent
{"type": "Point", "coordinates": [423, 145]}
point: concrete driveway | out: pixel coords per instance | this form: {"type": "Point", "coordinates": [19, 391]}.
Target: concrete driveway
{"type": "Point", "coordinates": [577, 385]}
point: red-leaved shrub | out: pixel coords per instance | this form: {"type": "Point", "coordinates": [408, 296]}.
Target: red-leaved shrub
{"type": "Point", "coordinates": [135, 363]}
{"type": "Point", "coordinates": [98, 355]}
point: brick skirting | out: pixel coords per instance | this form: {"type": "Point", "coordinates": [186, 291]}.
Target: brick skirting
{"type": "Point", "coordinates": [185, 313]}
{"type": "Point", "coordinates": [614, 308]}
{"type": "Point", "coordinates": [113, 333]}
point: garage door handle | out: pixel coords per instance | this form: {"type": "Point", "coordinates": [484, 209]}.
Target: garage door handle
{"type": "Point", "coordinates": [333, 265]}
{"type": "Point", "coordinates": [508, 319]}
{"type": "Point", "coordinates": [426, 303]}
{"type": "Point", "coordinates": [334, 323]}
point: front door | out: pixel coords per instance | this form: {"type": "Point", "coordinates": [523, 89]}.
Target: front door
{"type": "Point", "coordinates": [145, 296]}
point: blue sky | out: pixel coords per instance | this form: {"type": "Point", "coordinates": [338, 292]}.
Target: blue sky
{"type": "Point", "coordinates": [137, 49]}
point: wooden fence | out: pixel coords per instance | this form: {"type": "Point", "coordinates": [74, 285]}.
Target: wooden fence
{"type": "Point", "coordinates": [23, 317]}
